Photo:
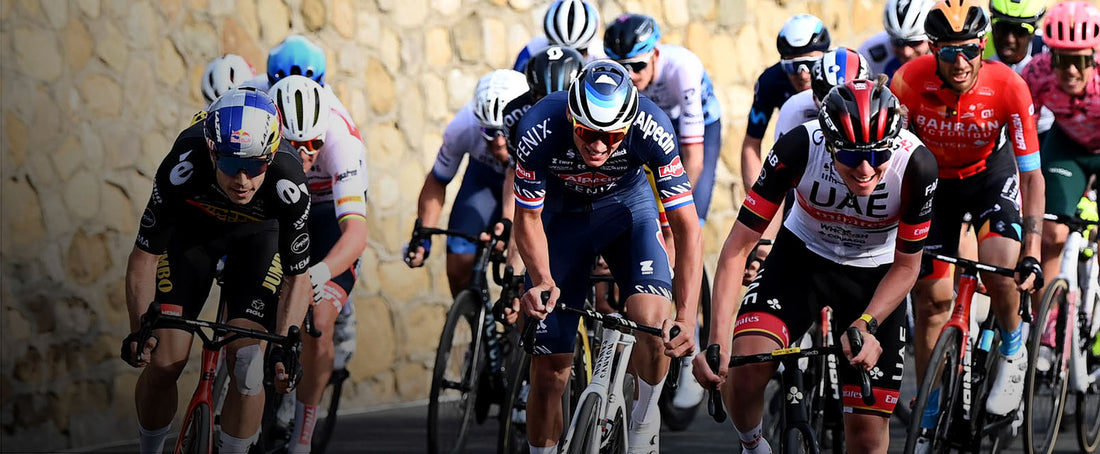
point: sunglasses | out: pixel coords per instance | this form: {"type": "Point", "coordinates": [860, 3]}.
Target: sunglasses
{"type": "Point", "coordinates": [309, 147]}
{"type": "Point", "coordinates": [491, 134]}
{"type": "Point", "coordinates": [232, 165]}
{"type": "Point", "coordinates": [1015, 28]}
{"type": "Point", "coordinates": [900, 42]}
{"type": "Point", "coordinates": [798, 65]}
{"type": "Point", "coordinates": [853, 158]}
{"type": "Point", "coordinates": [589, 135]}
{"type": "Point", "coordinates": [951, 53]}
{"type": "Point", "coordinates": [1081, 62]}
{"type": "Point", "coordinates": [635, 66]}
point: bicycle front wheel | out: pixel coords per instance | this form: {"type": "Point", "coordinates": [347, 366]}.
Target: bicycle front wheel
{"type": "Point", "coordinates": [323, 433]}
{"type": "Point", "coordinates": [586, 437]}
{"type": "Point", "coordinates": [512, 437]}
{"type": "Point", "coordinates": [458, 363]}
{"type": "Point", "coordinates": [197, 437]}
{"type": "Point", "coordinates": [796, 441]}
{"type": "Point", "coordinates": [943, 374]}
{"type": "Point", "coordinates": [1045, 384]}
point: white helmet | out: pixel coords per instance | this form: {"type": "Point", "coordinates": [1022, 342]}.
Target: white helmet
{"type": "Point", "coordinates": [904, 19]}
{"type": "Point", "coordinates": [223, 74]}
{"type": "Point", "coordinates": [571, 23]}
{"type": "Point", "coordinates": [304, 106]}
{"type": "Point", "coordinates": [494, 91]}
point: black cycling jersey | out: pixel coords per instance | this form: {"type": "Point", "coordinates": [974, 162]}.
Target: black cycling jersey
{"type": "Point", "coordinates": [772, 89]}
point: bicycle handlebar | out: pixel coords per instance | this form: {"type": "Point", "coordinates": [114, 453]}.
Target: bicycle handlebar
{"type": "Point", "coordinates": [855, 341]}
{"type": "Point", "coordinates": [714, 404]}
{"type": "Point", "coordinates": [970, 265]}
{"type": "Point", "coordinates": [1075, 223]}
{"type": "Point", "coordinates": [622, 324]}
{"type": "Point", "coordinates": [421, 233]}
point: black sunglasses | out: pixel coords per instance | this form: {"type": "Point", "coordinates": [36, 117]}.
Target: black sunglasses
{"type": "Point", "coordinates": [1081, 62]}
{"type": "Point", "coordinates": [635, 66]}
{"type": "Point", "coordinates": [900, 42]}
{"type": "Point", "coordinates": [853, 158]}
{"type": "Point", "coordinates": [232, 165]}
{"type": "Point", "coordinates": [951, 53]}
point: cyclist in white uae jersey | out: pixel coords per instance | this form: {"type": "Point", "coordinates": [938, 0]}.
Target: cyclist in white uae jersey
{"type": "Point", "coordinates": [834, 68]}
{"type": "Point", "coordinates": [334, 161]}
{"type": "Point", "coordinates": [568, 23]}
{"type": "Point", "coordinates": [852, 241]}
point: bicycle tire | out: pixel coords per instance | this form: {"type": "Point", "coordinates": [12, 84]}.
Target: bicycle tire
{"type": "Point", "coordinates": [943, 363]}
{"type": "Point", "coordinates": [1088, 417]}
{"type": "Point", "coordinates": [197, 433]}
{"type": "Point", "coordinates": [587, 438]}
{"type": "Point", "coordinates": [1041, 423]}
{"type": "Point", "coordinates": [446, 408]}
{"type": "Point", "coordinates": [512, 436]}
{"type": "Point", "coordinates": [322, 433]}
{"type": "Point", "coordinates": [796, 442]}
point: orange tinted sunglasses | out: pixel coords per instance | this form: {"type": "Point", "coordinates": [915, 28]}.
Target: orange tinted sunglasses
{"type": "Point", "coordinates": [589, 135]}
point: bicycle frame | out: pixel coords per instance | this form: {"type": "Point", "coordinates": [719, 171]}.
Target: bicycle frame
{"type": "Point", "coordinates": [1084, 310]}
{"type": "Point", "coordinates": [607, 381]}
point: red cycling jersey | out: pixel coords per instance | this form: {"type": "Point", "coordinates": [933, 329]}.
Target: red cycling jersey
{"type": "Point", "coordinates": [961, 130]}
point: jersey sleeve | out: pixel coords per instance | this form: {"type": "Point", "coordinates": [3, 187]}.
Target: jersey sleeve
{"type": "Point", "coordinates": [530, 181]}
{"type": "Point", "coordinates": [293, 213]}
{"type": "Point", "coordinates": [782, 170]}
{"type": "Point", "coordinates": [158, 219]}
{"type": "Point", "coordinates": [662, 154]}
{"type": "Point", "coordinates": [917, 191]}
{"type": "Point", "coordinates": [790, 116]}
{"type": "Point", "coordinates": [762, 104]}
{"type": "Point", "coordinates": [690, 76]}
{"type": "Point", "coordinates": [1022, 122]}
{"type": "Point", "coordinates": [349, 179]}
{"type": "Point", "coordinates": [455, 145]}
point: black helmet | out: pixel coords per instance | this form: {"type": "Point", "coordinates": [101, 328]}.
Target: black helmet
{"type": "Point", "coordinates": [956, 20]}
{"type": "Point", "coordinates": [552, 69]}
{"type": "Point", "coordinates": [630, 36]}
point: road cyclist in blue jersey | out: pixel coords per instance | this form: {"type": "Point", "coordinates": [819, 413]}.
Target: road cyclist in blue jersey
{"type": "Point", "coordinates": [580, 191]}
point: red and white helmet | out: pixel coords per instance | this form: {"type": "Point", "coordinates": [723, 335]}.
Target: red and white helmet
{"type": "Point", "coordinates": [1072, 26]}
{"type": "Point", "coordinates": [860, 114]}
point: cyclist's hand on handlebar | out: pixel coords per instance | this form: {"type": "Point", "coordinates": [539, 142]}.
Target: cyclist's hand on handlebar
{"type": "Point", "coordinates": [284, 368]}
{"type": "Point", "coordinates": [511, 312]}
{"type": "Point", "coordinates": [1029, 275]}
{"type": "Point", "coordinates": [682, 344]}
{"type": "Point", "coordinates": [415, 256]}
{"type": "Point", "coordinates": [532, 300]}
{"type": "Point", "coordinates": [868, 355]}
{"type": "Point", "coordinates": [703, 374]}
{"type": "Point", "coordinates": [499, 230]}
{"type": "Point", "coordinates": [756, 260]}
{"type": "Point", "coordinates": [130, 349]}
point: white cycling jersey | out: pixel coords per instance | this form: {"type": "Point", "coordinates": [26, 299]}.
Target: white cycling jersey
{"type": "Point", "coordinates": [798, 109]}
{"type": "Point", "coordinates": [878, 51]}
{"type": "Point", "coordinates": [463, 136]}
{"type": "Point", "coordinates": [339, 174]}
{"type": "Point", "coordinates": [855, 231]}
{"type": "Point", "coordinates": [682, 89]}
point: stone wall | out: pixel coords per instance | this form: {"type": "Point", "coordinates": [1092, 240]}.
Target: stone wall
{"type": "Point", "coordinates": [94, 92]}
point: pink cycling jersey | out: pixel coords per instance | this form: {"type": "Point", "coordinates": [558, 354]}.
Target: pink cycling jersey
{"type": "Point", "coordinates": [1078, 117]}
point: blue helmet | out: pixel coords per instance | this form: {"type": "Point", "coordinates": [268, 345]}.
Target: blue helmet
{"type": "Point", "coordinates": [603, 97]}
{"type": "Point", "coordinates": [242, 123]}
{"type": "Point", "coordinates": [296, 55]}
{"type": "Point", "coordinates": [630, 36]}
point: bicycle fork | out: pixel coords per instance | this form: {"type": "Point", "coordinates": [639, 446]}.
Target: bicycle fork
{"type": "Point", "coordinates": [1077, 321]}
{"type": "Point", "coordinates": [203, 395]}
{"type": "Point", "coordinates": [610, 370]}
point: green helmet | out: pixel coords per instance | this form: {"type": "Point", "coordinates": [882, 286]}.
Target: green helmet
{"type": "Point", "coordinates": [1019, 11]}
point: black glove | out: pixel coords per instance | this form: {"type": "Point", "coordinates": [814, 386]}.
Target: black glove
{"type": "Point", "coordinates": [1027, 267]}
{"type": "Point", "coordinates": [127, 353]}
{"type": "Point", "coordinates": [279, 354]}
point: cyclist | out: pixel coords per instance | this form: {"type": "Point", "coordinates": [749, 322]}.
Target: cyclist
{"type": "Point", "coordinates": [1016, 39]}
{"type": "Point", "coordinates": [334, 162]}
{"type": "Point", "coordinates": [958, 106]}
{"type": "Point", "coordinates": [836, 67]}
{"type": "Point", "coordinates": [580, 191]}
{"type": "Point", "coordinates": [903, 40]}
{"type": "Point", "coordinates": [568, 23]}
{"type": "Point", "coordinates": [478, 130]}
{"type": "Point", "coordinates": [548, 70]}
{"type": "Point", "coordinates": [852, 241]}
{"type": "Point", "coordinates": [801, 41]}
{"type": "Point", "coordinates": [1066, 81]}
{"type": "Point", "coordinates": [229, 187]}
{"type": "Point", "coordinates": [223, 74]}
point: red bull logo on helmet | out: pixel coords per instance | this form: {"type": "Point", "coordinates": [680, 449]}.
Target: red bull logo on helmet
{"type": "Point", "coordinates": [242, 137]}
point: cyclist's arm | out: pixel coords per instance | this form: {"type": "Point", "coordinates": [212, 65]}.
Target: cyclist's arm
{"type": "Point", "coordinates": [141, 270]}
{"type": "Point", "coordinates": [294, 298]}
{"type": "Point", "coordinates": [750, 161]}
{"type": "Point", "coordinates": [349, 189]}
{"type": "Point", "coordinates": [508, 211]}
{"type": "Point", "coordinates": [1033, 193]}
{"type": "Point", "coordinates": [726, 298]}
{"type": "Point", "coordinates": [352, 242]}
{"type": "Point", "coordinates": [692, 154]}
{"type": "Point", "coordinates": [430, 203]}
{"type": "Point", "coordinates": [688, 238]}
{"type": "Point", "coordinates": [531, 241]}
{"type": "Point", "coordinates": [1025, 144]}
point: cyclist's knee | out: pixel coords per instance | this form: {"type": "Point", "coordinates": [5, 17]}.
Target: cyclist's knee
{"type": "Point", "coordinates": [866, 433]}
{"type": "Point", "coordinates": [933, 298]}
{"type": "Point", "coordinates": [248, 369]}
{"type": "Point", "coordinates": [164, 373]}
{"type": "Point", "coordinates": [549, 374]}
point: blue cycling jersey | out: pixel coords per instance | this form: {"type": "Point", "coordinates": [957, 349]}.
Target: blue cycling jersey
{"type": "Point", "coordinates": [771, 91]}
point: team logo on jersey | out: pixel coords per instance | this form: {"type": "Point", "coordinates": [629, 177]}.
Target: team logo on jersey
{"type": "Point", "coordinates": [242, 137]}
{"type": "Point", "coordinates": [673, 169]}
{"type": "Point", "coordinates": [647, 267]}
{"type": "Point", "coordinates": [650, 127]}
{"type": "Point", "coordinates": [588, 178]}
{"type": "Point", "coordinates": [288, 192]}
{"type": "Point", "coordinates": [147, 219]}
{"type": "Point", "coordinates": [300, 244]}
{"type": "Point", "coordinates": [182, 171]}
{"type": "Point", "coordinates": [524, 173]}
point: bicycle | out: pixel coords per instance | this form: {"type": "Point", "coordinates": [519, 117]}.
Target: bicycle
{"type": "Point", "coordinates": [674, 417]}
{"type": "Point", "coordinates": [798, 432]}
{"type": "Point", "coordinates": [467, 376]}
{"type": "Point", "coordinates": [1066, 327]}
{"type": "Point", "coordinates": [960, 368]}
{"type": "Point", "coordinates": [513, 430]}
{"type": "Point", "coordinates": [197, 434]}
{"type": "Point", "coordinates": [600, 421]}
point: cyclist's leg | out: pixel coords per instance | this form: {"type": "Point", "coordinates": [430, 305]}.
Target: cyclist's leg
{"type": "Point", "coordinates": [1066, 169]}
{"type": "Point", "coordinates": [317, 360]}
{"type": "Point", "coordinates": [476, 207]}
{"type": "Point", "coordinates": [253, 278]}
{"type": "Point", "coordinates": [776, 309]}
{"type": "Point", "coordinates": [184, 275]}
{"type": "Point", "coordinates": [703, 190]}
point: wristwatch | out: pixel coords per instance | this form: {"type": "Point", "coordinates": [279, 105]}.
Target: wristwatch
{"type": "Point", "coordinates": [872, 324]}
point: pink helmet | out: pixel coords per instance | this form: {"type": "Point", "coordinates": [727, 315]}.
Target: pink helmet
{"type": "Point", "coordinates": [1072, 25]}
